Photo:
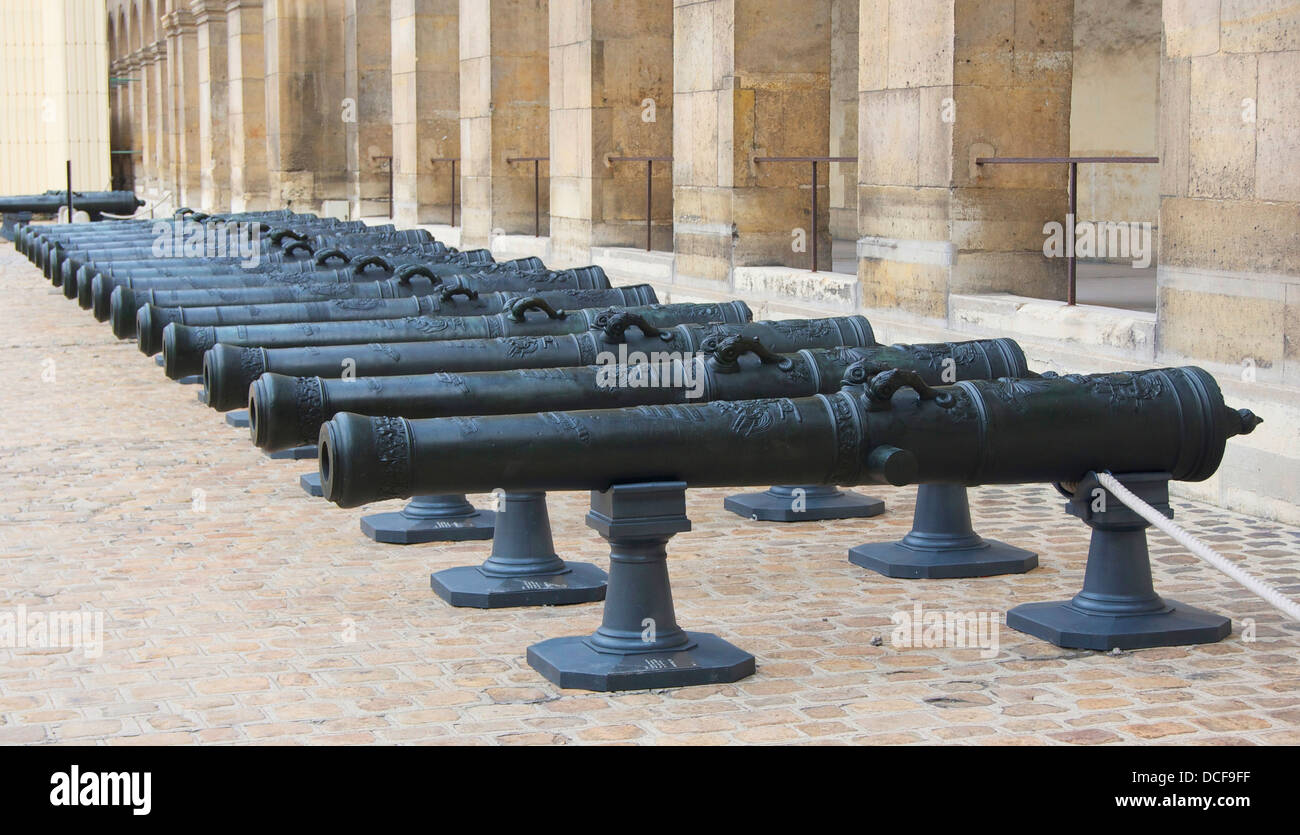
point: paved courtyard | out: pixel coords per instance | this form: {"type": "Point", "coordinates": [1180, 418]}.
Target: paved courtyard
{"type": "Point", "coordinates": [238, 610]}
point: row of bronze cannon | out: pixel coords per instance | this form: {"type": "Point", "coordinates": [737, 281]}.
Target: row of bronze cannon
{"type": "Point", "coordinates": [416, 371]}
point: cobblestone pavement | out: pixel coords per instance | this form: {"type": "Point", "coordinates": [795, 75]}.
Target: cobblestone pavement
{"type": "Point", "coordinates": [266, 617]}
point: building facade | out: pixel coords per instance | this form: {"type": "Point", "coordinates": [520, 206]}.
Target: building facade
{"type": "Point", "coordinates": [54, 62]}
{"type": "Point", "coordinates": [656, 138]}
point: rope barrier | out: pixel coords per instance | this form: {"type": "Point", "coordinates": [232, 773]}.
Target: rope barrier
{"type": "Point", "coordinates": [1265, 590]}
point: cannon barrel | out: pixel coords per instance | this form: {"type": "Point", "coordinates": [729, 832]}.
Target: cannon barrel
{"type": "Point", "coordinates": [340, 284]}
{"type": "Point", "coordinates": [241, 255]}
{"type": "Point", "coordinates": [229, 370]}
{"type": "Point", "coordinates": [217, 239]}
{"type": "Point", "coordinates": [91, 202]}
{"type": "Point", "coordinates": [363, 267]}
{"type": "Point", "coordinates": [258, 239]}
{"type": "Point", "coordinates": [32, 235]}
{"type": "Point", "coordinates": [1048, 429]}
{"type": "Point", "coordinates": [450, 301]}
{"type": "Point", "coordinates": [184, 346]}
{"type": "Point", "coordinates": [81, 273]}
{"type": "Point", "coordinates": [288, 411]}
{"type": "Point", "coordinates": [161, 242]}
{"type": "Point", "coordinates": [417, 280]}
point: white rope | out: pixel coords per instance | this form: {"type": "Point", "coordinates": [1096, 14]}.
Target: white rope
{"type": "Point", "coordinates": [1265, 590]}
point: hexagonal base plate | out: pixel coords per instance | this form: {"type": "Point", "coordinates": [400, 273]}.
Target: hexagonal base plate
{"type": "Point", "coordinates": [310, 484]}
{"type": "Point", "coordinates": [468, 586]}
{"type": "Point", "coordinates": [571, 664]}
{"type": "Point", "coordinates": [298, 453]}
{"type": "Point", "coordinates": [894, 559]}
{"type": "Point", "coordinates": [1061, 624]}
{"type": "Point", "coordinates": [766, 507]}
{"type": "Point", "coordinates": [396, 529]}
{"type": "Point", "coordinates": [238, 418]}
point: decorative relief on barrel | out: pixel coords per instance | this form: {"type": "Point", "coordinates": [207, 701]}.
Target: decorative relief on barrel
{"type": "Point", "coordinates": [567, 424]}
{"type": "Point", "coordinates": [394, 456]}
{"type": "Point", "coordinates": [252, 363]}
{"type": "Point", "coordinates": [754, 417]}
{"type": "Point", "coordinates": [848, 442]}
{"type": "Point", "coordinates": [934, 357]}
{"type": "Point", "coordinates": [310, 409]}
{"type": "Point", "coordinates": [962, 408]}
{"type": "Point", "coordinates": [327, 289]}
{"type": "Point", "coordinates": [386, 349]}
{"type": "Point", "coordinates": [803, 330]}
{"type": "Point", "coordinates": [1014, 392]}
{"type": "Point", "coordinates": [204, 338]}
{"type": "Point", "coordinates": [797, 372]}
{"type": "Point", "coordinates": [1123, 389]}
{"type": "Point", "coordinates": [356, 304]}
{"type": "Point", "coordinates": [588, 350]}
{"type": "Point", "coordinates": [544, 277]}
{"type": "Point", "coordinates": [450, 380]}
{"type": "Point", "coordinates": [428, 324]}
{"type": "Point", "coordinates": [543, 374]}
{"type": "Point", "coordinates": [672, 412]}
{"type": "Point", "coordinates": [524, 346]}
{"type": "Point", "coordinates": [860, 372]}
{"type": "Point", "coordinates": [711, 334]}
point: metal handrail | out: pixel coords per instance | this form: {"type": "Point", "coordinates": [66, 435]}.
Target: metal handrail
{"type": "Point", "coordinates": [815, 161]}
{"type": "Point", "coordinates": [1073, 162]}
{"type": "Point", "coordinates": [537, 210]}
{"type": "Point", "coordinates": [649, 171]}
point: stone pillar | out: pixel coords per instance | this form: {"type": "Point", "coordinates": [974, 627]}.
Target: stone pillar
{"type": "Point", "coordinates": [131, 133]}
{"type": "Point", "coordinates": [213, 116]}
{"type": "Point", "coordinates": [246, 106]}
{"type": "Point", "coordinates": [751, 78]}
{"type": "Point", "coordinates": [118, 135]}
{"type": "Point", "coordinates": [611, 66]}
{"type": "Point", "coordinates": [942, 83]}
{"type": "Point", "coordinates": [368, 114]}
{"type": "Point", "coordinates": [183, 66]}
{"type": "Point", "coordinates": [842, 178]}
{"type": "Point", "coordinates": [425, 107]}
{"type": "Point", "coordinates": [306, 144]}
{"type": "Point", "coordinates": [159, 103]}
{"type": "Point", "coordinates": [504, 113]}
{"type": "Point", "coordinates": [1229, 273]}
{"type": "Point", "coordinates": [148, 174]}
